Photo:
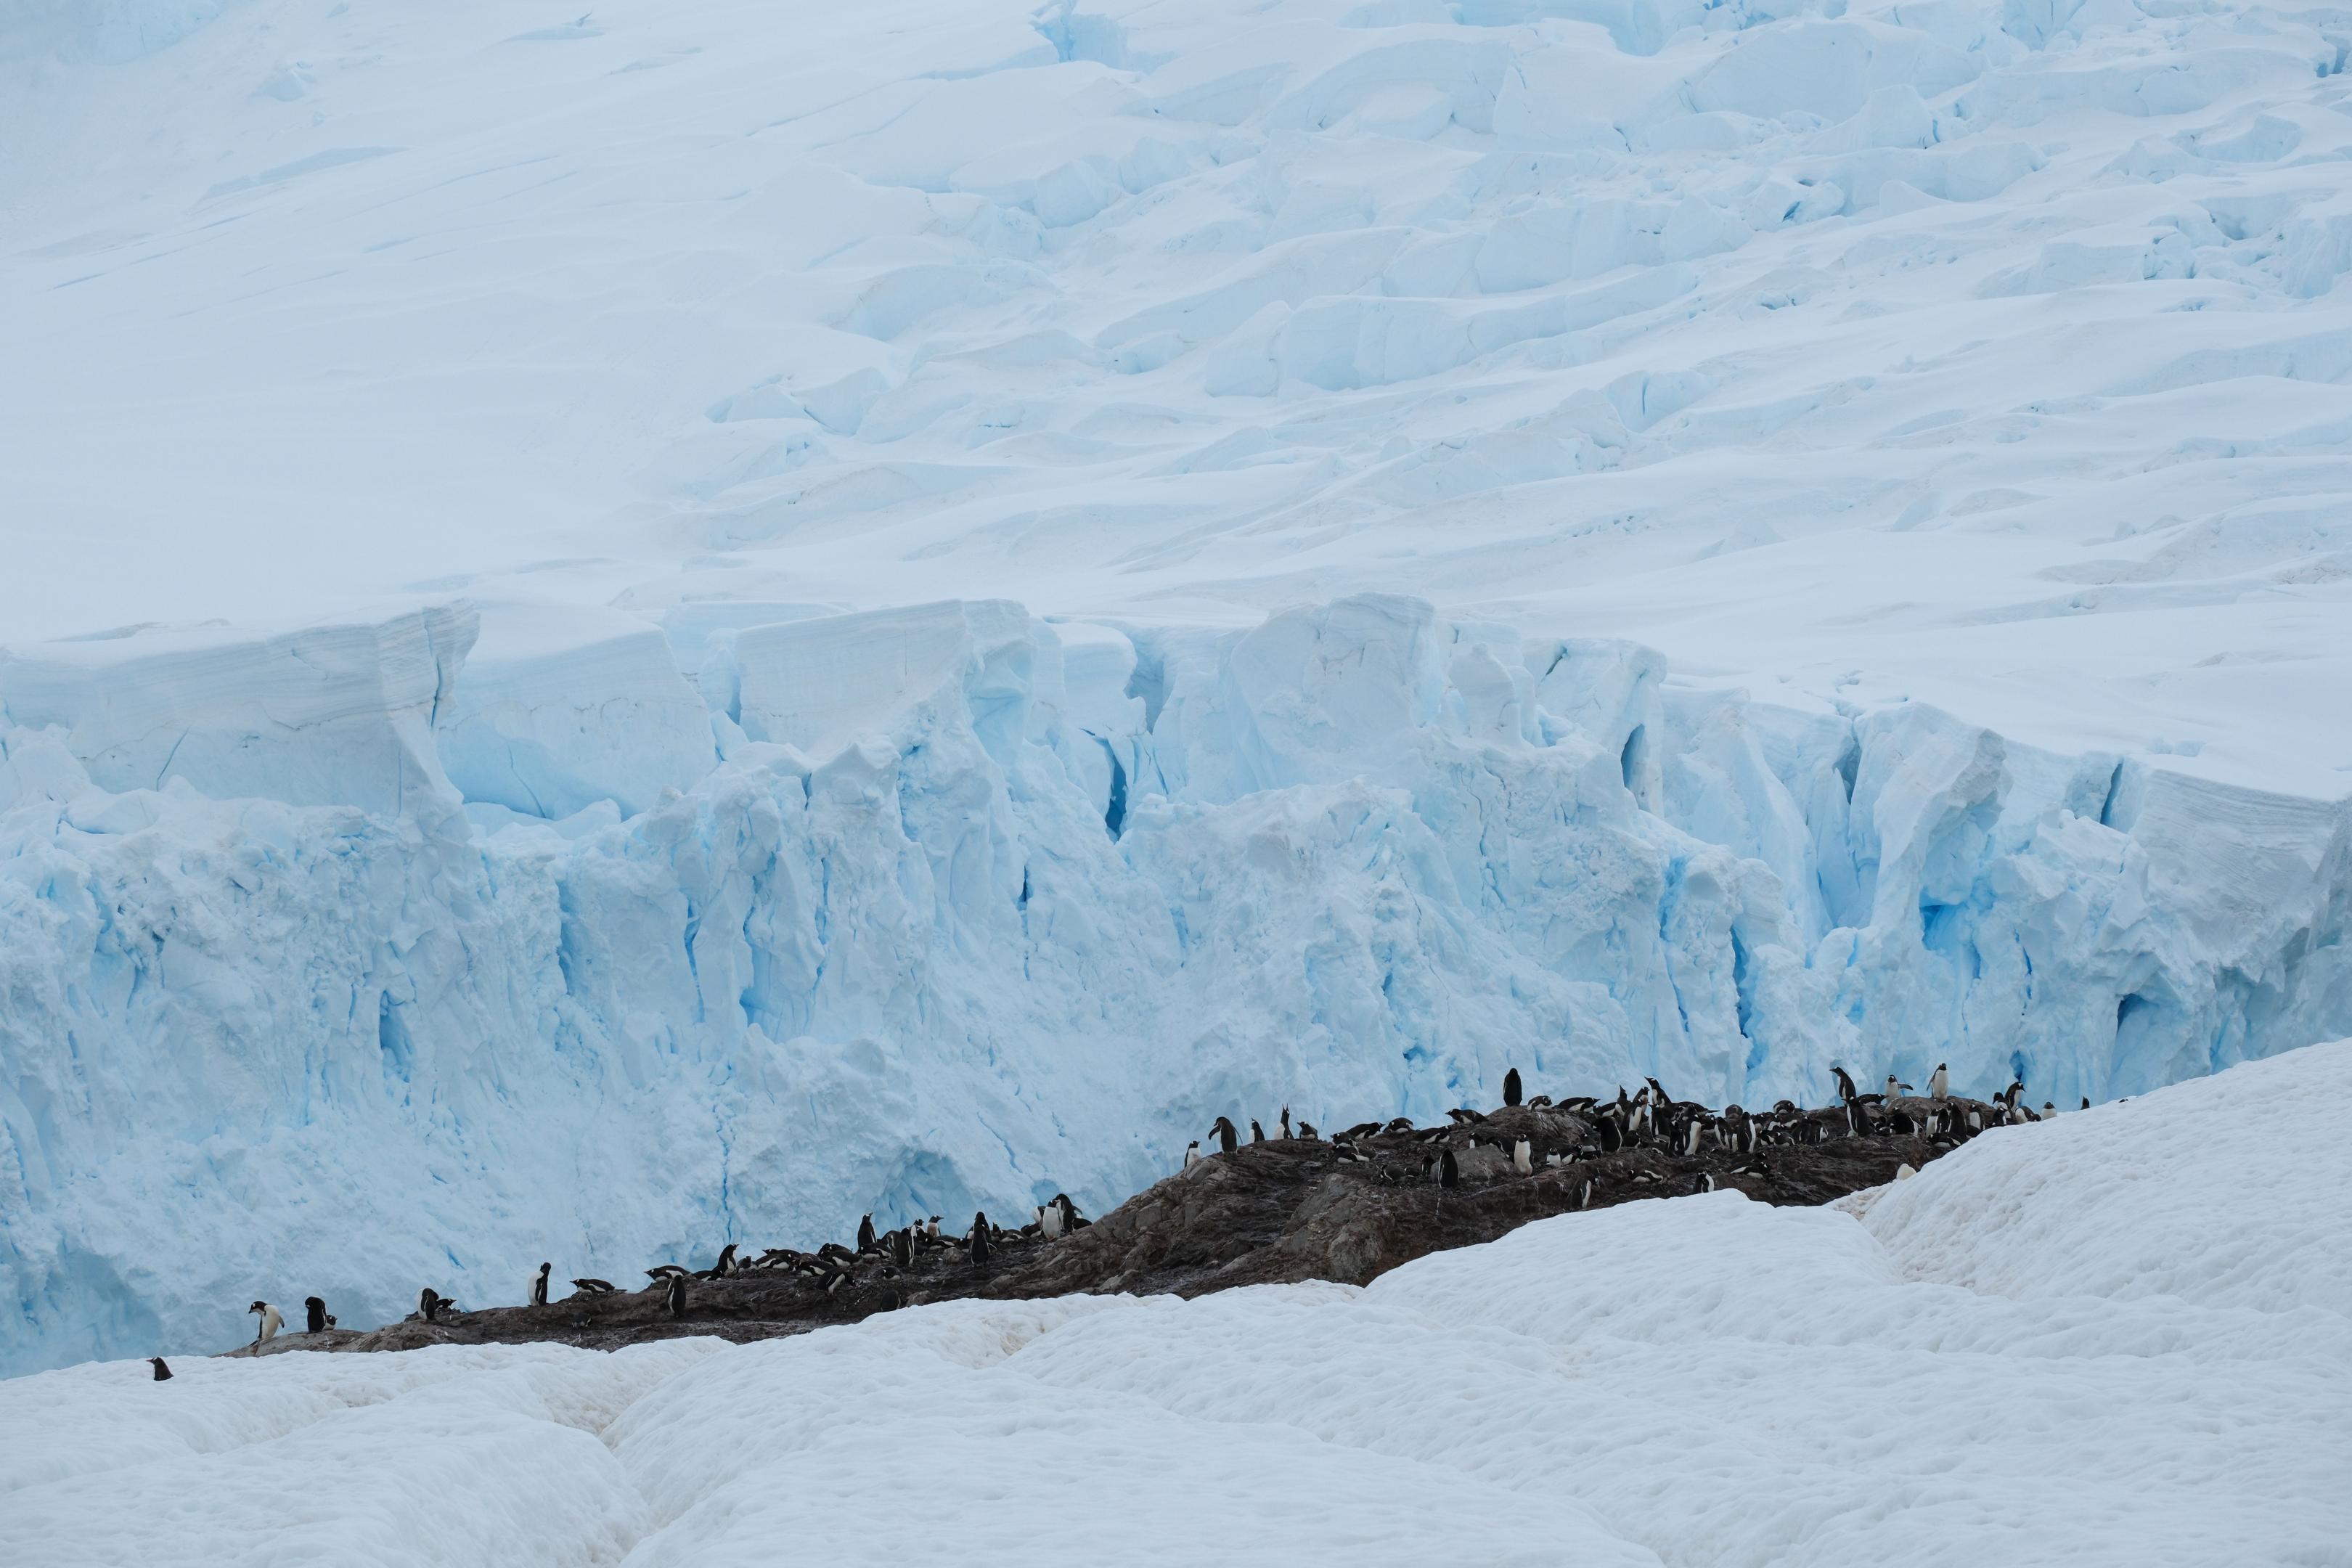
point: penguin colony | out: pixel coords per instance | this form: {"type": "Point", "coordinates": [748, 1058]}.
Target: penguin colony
{"type": "Point", "coordinates": [1591, 1136]}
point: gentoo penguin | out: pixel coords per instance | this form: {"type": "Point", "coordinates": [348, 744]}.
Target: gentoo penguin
{"type": "Point", "coordinates": [272, 1320]}
{"type": "Point", "coordinates": [539, 1286]}
{"type": "Point", "coordinates": [1307, 1130]}
{"type": "Point", "coordinates": [163, 1372]}
{"type": "Point", "coordinates": [1257, 1133]}
{"type": "Point", "coordinates": [865, 1234]}
{"type": "Point", "coordinates": [1939, 1083]}
{"type": "Point", "coordinates": [1228, 1137]}
{"type": "Point", "coordinates": [980, 1238]}
{"type": "Point", "coordinates": [593, 1287]}
{"type": "Point", "coordinates": [1846, 1092]}
{"type": "Point", "coordinates": [902, 1247]}
{"type": "Point", "coordinates": [1584, 1193]}
{"type": "Point", "coordinates": [1706, 1183]}
{"type": "Point", "coordinates": [2048, 1111]}
{"type": "Point", "coordinates": [2086, 1102]}
{"type": "Point", "coordinates": [1612, 1135]}
{"type": "Point", "coordinates": [674, 1297]}
{"type": "Point", "coordinates": [1511, 1087]}
{"type": "Point", "coordinates": [1191, 1153]}
{"type": "Point", "coordinates": [1285, 1122]}
{"type": "Point", "coordinates": [1069, 1211]}
{"type": "Point", "coordinates": [1894, 1089]}
{"type": "Point", "coordinates": [934, 1232]}
{"type": "Point", "coordinates": [1522, 1159]}
{"type": "Point", "coordinates": [1449, 1169]}
{"type": "Point", "coordinates": [1399, 1124]}
{"type": "Point", "coordinates": [432, 1304]}
{"type": "Point", "coordinates": [317, 1309]}
{"type": "Point", "coordinates": [1049, 1222]}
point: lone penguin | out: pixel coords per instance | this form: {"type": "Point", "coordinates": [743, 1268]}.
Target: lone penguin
{"type": "Point", "coordinates": [317, 1309]}
{"type": "Point", "coordinates": [272, 1320]}
{"type": "Point", "coordinates": [980, 1238]}
{"type": "Point", "coordinates": [1939, 1083]}
{"type": "Point", "coordinates": [1449, 1169]}
{"type": "Point", "coordinates": [1191, 1153]}
{"type": "Point", "coordinates": [1257, 1133]}
{"type": "Point", "coordinates": [163, 1372]}
{"type": "Point", "coordinates": [674, 1297]}
{"type": "Point", "coordinates": [1228, 1137]}
{"type": "Point", "coordinates": [539, 1286]}
{"type": "Point", "coordinates": [1511, 1087]}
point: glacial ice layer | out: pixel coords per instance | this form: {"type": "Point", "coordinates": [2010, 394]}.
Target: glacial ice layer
{"type": "Point", "coordinates": [378, 954]}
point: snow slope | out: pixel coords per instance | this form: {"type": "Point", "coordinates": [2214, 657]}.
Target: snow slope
{"type": "Point", "coordinates": [2116, 1338]}
{"type": "Point", "coordinates": [760, 616]}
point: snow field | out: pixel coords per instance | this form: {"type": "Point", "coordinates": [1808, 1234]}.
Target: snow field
{"type": "Point", "coordinates": [2044, 1349]}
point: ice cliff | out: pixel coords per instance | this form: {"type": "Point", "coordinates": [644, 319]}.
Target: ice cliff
{"type": "Point", "coordinates": [425, 947]}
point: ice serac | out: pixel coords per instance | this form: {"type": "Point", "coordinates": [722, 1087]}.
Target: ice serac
{"type": "Point", "coordinates": [968, 908]}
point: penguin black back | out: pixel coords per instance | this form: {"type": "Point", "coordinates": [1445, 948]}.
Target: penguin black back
{"type": "Point", "coordinates": [979, 1237]}
{"type": "Point", "coordinates": [674, 1297]}
{"type": "Point", "coordinates": [163, 1372]}
{"type": "Point", "coordinates": [1449, 1169]}
{"type": "Point", "coordinates": [317, 1307]}
{"type": "Point", "coordinates": [1511, 1087]}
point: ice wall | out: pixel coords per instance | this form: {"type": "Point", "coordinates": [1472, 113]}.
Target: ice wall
{"type": "Point", "coordinates": [945, 907]}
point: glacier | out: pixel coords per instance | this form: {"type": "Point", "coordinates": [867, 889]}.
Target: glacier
{"type": "Point", "coordinates": [954, 907]}
{"type": "Point", "coordinates": [617, 633]}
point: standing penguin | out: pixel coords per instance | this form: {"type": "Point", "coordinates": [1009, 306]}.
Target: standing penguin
{"type": "Point", "coordinates": [1846, 1092]}
{"type": "Point", "coordinates": [539, 1286]}
{"type": "Point", "coordinates": [1191, 1153]}
{"type": "Point", "coordinates": [902, 1247]}
{"type": "Point", "coordinates": [272, 1320]}
{"type": "Point", "coordinates": [674, 1297]}
{"type": "Point", "coordinates": [163, 1372]}
{"type": "Point", "coordinates": [980, 1240]}
{"type": "Point", "coordinates": [1257, 1133]}
{"type": "Point", "coordinates": [1285, 1122]}
{"type": "Point", "coordinates": [318, 1319]}
{"type": "Point", "coordinates": [1229, 1137]}
{"type": "Point", "coordinates": [1522, 1158]}
{"type": "Point", "coordinates": [865, 1234]}
{"type": "Point", "coordinates": [1511, 1087]}
{"type": "Point", "coordinates": [1939, 1083]}
{"type": "Point", "coordinates": [1449, 1169]}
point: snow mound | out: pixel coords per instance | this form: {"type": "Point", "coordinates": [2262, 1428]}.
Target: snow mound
{"type": "Point", "coordinates": [1982, 1367]}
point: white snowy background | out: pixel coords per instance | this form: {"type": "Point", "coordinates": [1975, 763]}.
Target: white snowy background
{"type": "Point", "coordinates": [631, 630]}
{"type": "Point", "coordinates": [2119, 1338]}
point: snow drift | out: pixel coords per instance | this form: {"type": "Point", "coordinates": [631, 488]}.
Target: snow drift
{"type": "Point", "coordinates": [2116, 1338]}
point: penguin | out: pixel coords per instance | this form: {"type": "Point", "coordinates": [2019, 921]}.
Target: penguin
{"type": "Point", "coordinates": [1307, 1130]}
{"type": "Point", "coordinates": [980, 1240]}
{"type": "Point", "coordinates": [1905, 1172]}
{"type": "Point", "coordinates": [593, 1287]}
{"type": "Point", "coordinates": [674, 1297]}
{"type": "Point", "coordinates": [163, 1372]}
{"type": "Point", "coordinates": [1521, 1161]}
{"type": "Point", "coordinates": [1846, 1092]}
{"type": "Point", "coordinates": [2086, 1102]}
{"type": "Point", "coordinates": [433, 1304]}
{"type": "Point", "coordinates": [1612, 1135]}
{"type": "Point", "coordinates": [1069, 1211]}
{"type": "Point", "coordinates": [1939, 1083]}
{"type": "Point", "coordinates": [1584, 1193]}
{"type": "Point", "coordinates": [539, 1286]}
{"type": "Point", "coordinates": [661, 1271]}
{"type": "Point", "coordinates": [1228, 1138]}
{"type": "Point", "coordinates": [1285, 1122]}
{"type": "Point", "coordinates": [1398, 1124]}
{"type": "Point", "coordinates": [317, 1311]}
{"type": "Point", "coordinates": [1706, 1183]}
{"type": "Point", "coordinates": [1511, 1088]}
{"type": "Point", "coordinates": [1449, 1169]}
{"type": "Point", "coordinates": [865, 1234]}
{"type": "Point", "coordinates": [1191, 1153]}
{"type": "Point", "coordinates": [1049, 1222]}
{"type": "Point", "coordinates": [1257, 1133]}
{"type": "Point", "coordinates": [2048, 1111]}
{"type": "Point", "coordinates": [934, 1232]}
{"type": "Point", "coordinates": [272, 1320]}
{"type": "Point", "coordinates": [1894, 1089]}
{"type": "Point", "coordinates": [902, 1251]}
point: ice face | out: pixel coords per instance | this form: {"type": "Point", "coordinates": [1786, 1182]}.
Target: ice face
{"type": "Point", "coordinates": [954, 908]}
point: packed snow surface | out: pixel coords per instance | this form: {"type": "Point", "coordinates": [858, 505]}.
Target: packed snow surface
{"type": "Point", "coordinates": [2117, 1338]}
{"type": "Point", "coordinates": [629, 630]}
